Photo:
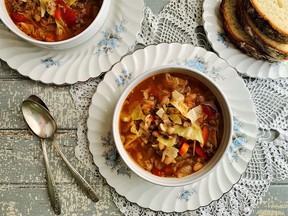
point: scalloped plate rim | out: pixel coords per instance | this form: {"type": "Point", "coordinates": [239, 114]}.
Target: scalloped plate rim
{"type": "Point", "coordinates": [66, 79]}
{"type": "Point", "coordinates": [107, 174]}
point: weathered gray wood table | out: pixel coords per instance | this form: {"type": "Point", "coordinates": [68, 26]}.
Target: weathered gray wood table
{"type": "Point", "coordinates": [23, 189]}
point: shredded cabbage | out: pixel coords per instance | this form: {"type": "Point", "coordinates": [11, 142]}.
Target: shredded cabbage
{"type": "Point", "coordinates": [62, 29]}
{"type": "Point", "coordinates": [177, 96]}
{"type": "Point", "coordinates": [178, 102]}
{"type": "Point", "coordinates": [43, 7]}
{"type": "Point", "coordinates": [195, 113]}
{"type": "Point", "coordinates": [129, 139]}
{"type": "Point", "coordinates": [133, 128]}
{"type": "Point", "coordinates": [70, 2]}
{"type": "Point", "coordinates": [137, 113]}
{"type": "Point", "coordinates": [167, 142]}
{"type": "Point", "coordinates": [170, 152]}
{"type": "Point", "coordinates": [49, 6]}
{"type": "Point", "coordinates": [192, 132]}
{"type": "Point", "coordinates": [160, 113]}
{"type": "Point", "coordinates": [176, 118]}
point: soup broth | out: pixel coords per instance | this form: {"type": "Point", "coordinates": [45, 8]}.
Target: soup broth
{"type": "Point", "coordinates": [171, 125]}
{"type": "Point", "coordinates": [53, 20]}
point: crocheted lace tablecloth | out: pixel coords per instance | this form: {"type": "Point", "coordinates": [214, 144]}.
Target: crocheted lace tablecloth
{"type": "Point", "coordinates": [181, 21]}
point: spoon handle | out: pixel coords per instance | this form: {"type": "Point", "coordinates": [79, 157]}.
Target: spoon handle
{"type": "Point", "coordinates": [81, 181]}
{"type": "Point", "coordinates": [54, 198]}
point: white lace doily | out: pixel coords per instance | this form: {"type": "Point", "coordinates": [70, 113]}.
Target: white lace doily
{"type": "Point", "coordinates": [181, 21]}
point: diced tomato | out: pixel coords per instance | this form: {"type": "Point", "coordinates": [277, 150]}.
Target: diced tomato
{"type": "Point", "coordinates": [66, 13]}
{"type": "Point", "coordinates": [157, 172]}
{"type": "Point", "coordinates": [200, 152]}
{"type": "Point", "coordinates": [152, 118]}
{"type": "Point", "coordinates": [69, 16]}
{"type": "Point", "coordinates": [161, 97]}
{"type": "Point", "coordinates": [168, 170]}
{"type": "Point", "coordinates": [18, 17]}
{"type": "Point", "coordinates": [209, 111]}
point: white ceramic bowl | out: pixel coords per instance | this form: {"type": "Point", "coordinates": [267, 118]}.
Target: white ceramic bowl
{"type": "Point", "coordinates": [225, 140]}
{"type": "Point", "coordinates": [90, 31]}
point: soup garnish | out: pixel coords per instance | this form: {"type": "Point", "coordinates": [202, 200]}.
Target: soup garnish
{"type": "Point", "coordinates": [52, 20]}
{"type": "Point", "coordinates": [170, 124]}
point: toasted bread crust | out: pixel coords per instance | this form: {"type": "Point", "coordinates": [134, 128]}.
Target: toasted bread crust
{"type": "Point", "coordinates": [274, 12]}
{"type": "Point", "coordinates": [264, 25]}
{"type": "Point", "coordinates": [277, 51]}
{"type": "Point", "coordinates": [236, 33]}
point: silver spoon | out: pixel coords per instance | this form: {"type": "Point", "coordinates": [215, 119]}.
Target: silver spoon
{"type": "Point", "coordinates": [40, 124]}
{"type": "Point", "coordinates": [38, 100]}
{"type": "Point", "coordinates": [81, 181]}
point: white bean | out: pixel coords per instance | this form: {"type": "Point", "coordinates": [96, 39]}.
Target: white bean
{"type": "Point", "coordinates": [197, 166]}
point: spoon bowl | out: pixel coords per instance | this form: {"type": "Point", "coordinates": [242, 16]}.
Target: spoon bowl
{"type": "Point", "coordinates": [39, 120]}
{"type": "Point", "coordinates": [38, 100]}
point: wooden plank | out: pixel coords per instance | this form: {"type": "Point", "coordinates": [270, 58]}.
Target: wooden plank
{"type": "Point", "coordinates": [22, 160]}
{"type": "Point", "coordinates": [23, 184]}
{"type": "Point", "coordinates": [285, 181]}
{"type": "Point", "coordinates": [8, 73]}
{"type": "Point", "coordinates": [33, 200]}
{"type": "Point", "coordinates": [57, 98]}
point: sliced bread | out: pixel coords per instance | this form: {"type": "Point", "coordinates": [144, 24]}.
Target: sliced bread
{"type": "Point", "coordinates": [236, 33]}
{"type": "Point", "coordinates": [278, 51]}
{"type": "Point", "coordinates": [270, 16]}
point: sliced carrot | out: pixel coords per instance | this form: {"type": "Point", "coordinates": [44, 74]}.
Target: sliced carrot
{"type": "Point", "coordinates": [205, 133]}
{"type": "Point", "coordinates": [184, 148]}
{"type": "Point", "coordinates": [57, 13]}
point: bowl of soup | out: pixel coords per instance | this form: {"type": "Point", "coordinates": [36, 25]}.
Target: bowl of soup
{"type": "Point", "coordinates": [54, 24]}
{"type": "Point", "coordinates": [172, 125]}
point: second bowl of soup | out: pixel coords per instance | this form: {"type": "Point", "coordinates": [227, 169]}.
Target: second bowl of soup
{"type": "Point", "coordinates": [54, 24]}
{"type": "Point", "coordinates": [172, 125]}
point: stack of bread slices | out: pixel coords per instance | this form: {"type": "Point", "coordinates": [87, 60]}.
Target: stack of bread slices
{"type": "Point", "coordinates": [258, 27]}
